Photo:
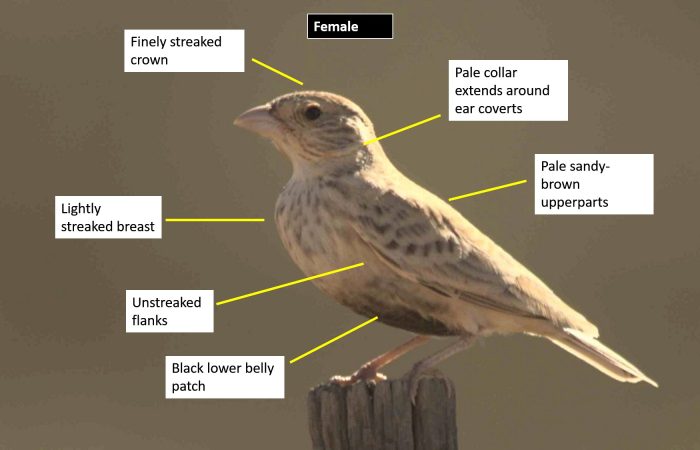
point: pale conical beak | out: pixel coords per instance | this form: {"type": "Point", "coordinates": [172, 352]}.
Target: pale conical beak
{"type": "Point", "coordinates": [260, 121]}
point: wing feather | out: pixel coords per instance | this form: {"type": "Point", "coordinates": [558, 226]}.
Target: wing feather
{"type": "Point", "coordinates": [438, 248]}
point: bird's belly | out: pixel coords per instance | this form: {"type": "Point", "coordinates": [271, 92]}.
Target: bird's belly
{"type": "Point", "coordinates": [321, 239]}
{"type": "Point", "coordinates": [315, 230]}
{"type": "Point", "coordinates": [318, 242]}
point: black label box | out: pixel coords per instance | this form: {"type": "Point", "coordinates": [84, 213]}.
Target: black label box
{"type": "Point", "coordinates": [350, 26]}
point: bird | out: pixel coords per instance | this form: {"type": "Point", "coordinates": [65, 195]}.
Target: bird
{"type": "Point", "coordinates": [427, 269]}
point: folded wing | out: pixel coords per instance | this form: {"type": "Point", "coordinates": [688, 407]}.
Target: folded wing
{"type": "Point", "coordinates": [441, 250]}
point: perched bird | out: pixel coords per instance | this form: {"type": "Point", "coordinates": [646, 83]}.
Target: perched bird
{"type": "Point", "coordinates": [427, 269]}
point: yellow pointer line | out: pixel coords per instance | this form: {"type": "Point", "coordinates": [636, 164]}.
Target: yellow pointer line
{"type": "Point", "coordinates": [400, 130]}
{"type": "Point", "coordinates": [291, 283]}
{"type": "Point", "coordinates": [278, 72]}
{"type": "Point", "coordinates": [495, 188]}
{"type": "Point", "coordinates": [330, 341]}
{"type": "Point", "coordinates": [178, 219]}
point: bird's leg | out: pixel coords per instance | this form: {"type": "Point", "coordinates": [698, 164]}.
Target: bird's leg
{"type": "Point", "coordinates": [368, 371]}
{"type": "Point", "coordinates": [424, 365]}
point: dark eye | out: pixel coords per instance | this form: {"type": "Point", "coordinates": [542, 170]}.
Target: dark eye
{"type": "Point", "coordinates": [312, 112]}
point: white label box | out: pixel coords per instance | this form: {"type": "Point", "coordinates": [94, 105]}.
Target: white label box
{"type": "Point", "coordinates": [508, 90]}
{"type": "Point", "coordinates": [184, 50]}
{"type": "Point", "coordinates": [108, 217]}
{"type": "Point", "coordinates": [594, 184]}
{"type": "Point", "coordinates": [224, 377]}
{"type": "Point", "coordinates": [169, 311]}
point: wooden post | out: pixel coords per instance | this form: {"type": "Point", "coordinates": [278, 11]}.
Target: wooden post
{"type": "Point", "coordinates": [365, 416]}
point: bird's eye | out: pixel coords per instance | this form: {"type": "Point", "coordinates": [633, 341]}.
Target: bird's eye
{"type": "Point", "coordinates": [312, 112]}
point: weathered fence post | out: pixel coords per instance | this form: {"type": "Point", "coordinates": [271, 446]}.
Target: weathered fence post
{"type": "Point", "coordinates": [365, 416]}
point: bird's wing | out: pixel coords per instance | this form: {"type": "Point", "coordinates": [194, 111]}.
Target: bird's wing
{"type": "Point", "coordinates": [438, 248]}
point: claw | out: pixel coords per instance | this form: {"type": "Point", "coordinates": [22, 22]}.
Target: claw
{"type": "Point", "coordinates": [365, 373]}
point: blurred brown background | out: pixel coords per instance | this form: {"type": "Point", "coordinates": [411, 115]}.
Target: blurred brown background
{"type": "Point", "coordinates": [74, 124]}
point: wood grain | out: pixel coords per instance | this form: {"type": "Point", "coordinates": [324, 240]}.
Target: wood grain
{"type": "Point", "coordinates": [377, 417]}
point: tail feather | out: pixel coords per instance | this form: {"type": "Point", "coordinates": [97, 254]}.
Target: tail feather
{"type": "Point", "coordinates": [599, 356]}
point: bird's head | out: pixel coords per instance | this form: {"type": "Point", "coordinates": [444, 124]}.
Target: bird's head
{"type": "Point", "coordinates": [311, 128]}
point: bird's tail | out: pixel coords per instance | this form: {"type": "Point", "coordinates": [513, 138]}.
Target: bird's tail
{"type": "Point", "coordinates": [599, 356]}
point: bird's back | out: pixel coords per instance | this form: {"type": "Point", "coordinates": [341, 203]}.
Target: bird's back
{"type": "Point", "coordinates": [478, 270]}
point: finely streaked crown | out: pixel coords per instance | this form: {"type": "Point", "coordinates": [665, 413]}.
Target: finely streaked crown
{"type": "Point", "coordinates": [311, 125]}
{"type": "Point", "coordinates": [324, 124]}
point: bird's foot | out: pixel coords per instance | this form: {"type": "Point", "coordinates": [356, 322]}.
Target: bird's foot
{"type": "Point", "coordinates": [415, 375]}
{"type": "Point", "coordinates": [365, 373]}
